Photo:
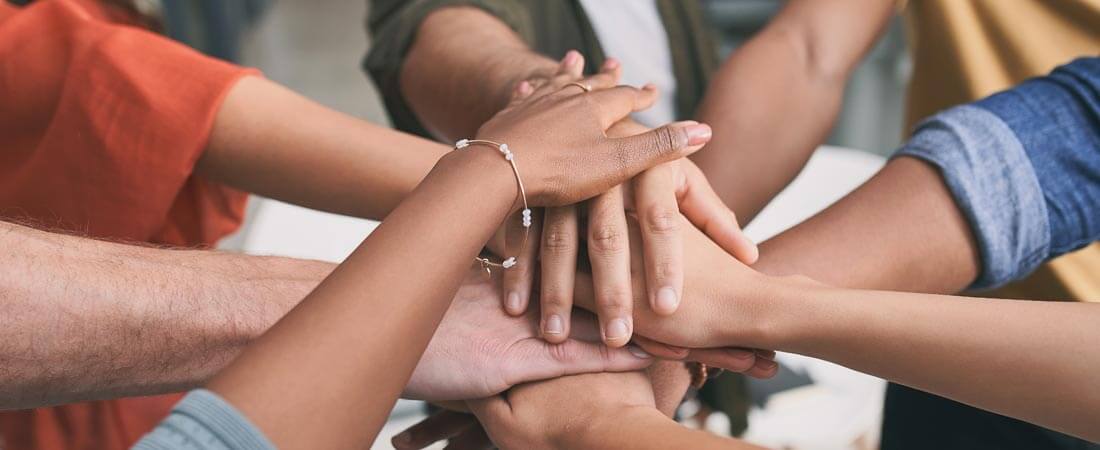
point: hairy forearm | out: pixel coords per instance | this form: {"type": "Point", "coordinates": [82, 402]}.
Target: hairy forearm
{"type": "Point", "coordinates": [1035, 361]}
{"type": "Point", "coordinates": [270, 141]}
{"type": "Point", "coordinates": [776, 98]}
{"type": "Point", "coordinates": [902, 230]}
{"type": "Point", "coordinates": [456, 77]}
{"type": "Point", "coordinates": [86, 319]}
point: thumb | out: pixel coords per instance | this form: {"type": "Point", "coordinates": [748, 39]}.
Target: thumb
{"type": "Point", "coordinates": [706, 210]}
{"type": "Point", "coordinates": [542, 360]}
{"type": "Point", "coordinates": [670, 142]}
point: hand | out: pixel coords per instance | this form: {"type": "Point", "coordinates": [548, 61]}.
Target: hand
{"type": "Point", "coordinates": [725, 299]}
{"type": "Point", "coordinates": [478, 350]}
{"type": "Point", "coordinates": [669, 381]}
{"type": "Point", "coordinates": [654, 197]}
{"type": "Point", "coordinates": [557, 134]}
{"type": "Point", "coordinates": [534, 415]}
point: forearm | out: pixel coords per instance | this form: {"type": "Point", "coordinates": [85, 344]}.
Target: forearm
{"type": "Point", "coordinates": [87, 319]}
{"type": "Point", "coordinates": [646, 428]}
{"type": "Point", "coordinates": [456, 77]}
{"type": "Point", "coordinates": [273, 142]}
{"type": "Point", "coordinates": [1030, 360]}
{"type": "Point", "coordinates": [398, 285]}
{"type": "Point", "coordinates": [776, 98]}
{"type": "Point", "coordinates": [902, 230]}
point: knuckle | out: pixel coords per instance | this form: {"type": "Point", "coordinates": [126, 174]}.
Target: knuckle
{"type": "Point", "coordinates": [665, 270]}
{"type": "Point", "coordinates": [607, 239]}
{"type": "Point", "coordinates": [563, 353]}
{"type": "Point", "coordinates": [662, 220]}
{"type": "Point", "coordinates": [554, 298]}
{"type": "Point", "coordinates": [557, 240]}
{"type": "Point", "coordinates": [616, 299]}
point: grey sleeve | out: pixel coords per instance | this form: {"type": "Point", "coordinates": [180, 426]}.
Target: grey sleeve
{"type": "Point", "coordinates": [204, 421]}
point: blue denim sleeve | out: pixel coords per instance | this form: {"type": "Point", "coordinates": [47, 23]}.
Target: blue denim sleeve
{"type": "Point", "coordinates": [204, 421]}
{"type": "Point", "coordinates": [1024, 167]}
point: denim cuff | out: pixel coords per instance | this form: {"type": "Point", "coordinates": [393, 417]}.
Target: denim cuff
{"type": "Point", "coordinates": [204, 421]}
{"type": "Point", "coordinates": [994, 184]}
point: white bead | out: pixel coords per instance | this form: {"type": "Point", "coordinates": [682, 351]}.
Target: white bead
{"type": "Point", "coordinates": [526, 212]}
{"type": "Point", "coordinates": [504, 148]}
{"type": "Point", "coordinates": [508, 263]}
{"type": "Point", "coordinates": [462, 143]}
{"type": "Point", "coordinates": [508, 156]}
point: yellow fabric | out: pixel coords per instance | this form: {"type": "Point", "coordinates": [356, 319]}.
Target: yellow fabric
{"type": "Point", "coordinates": [964, 50]}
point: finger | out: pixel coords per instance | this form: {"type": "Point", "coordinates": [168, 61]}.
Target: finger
{"type": "Point", "coordinates": [662, 241]}
{"type": "Point", "coordinates": [491, 410]}
{"type": "Point", "coordinates": [572, 64]}
{"type": "Point", "coordinates": [732, 359]}
{"type": "Point", "coordinates": [634, 154]}
{"type": "Point", "coordinates": [763, 369]}
{"type": "Point", "coordinates": [474, 438]}
{"type": "Point", "coordinates": [519, 278]}
{"type": "Point", "coordinates": [609, 254]}
{"type": "Point", "coordinates": [558, 266]}
{"type": "Point", "coordinates": [522, 91]}
{"type": "Point", "coordinates": [661, 350]}
{"type": "Point", "coordinates": [619, 101]}
{"type": "Point", "coordinates": [540, 360]}
{"type": "Point", "coordinates": [437, 427]}
{"type": "Point", "coordinates": [766, 354]}
{"type": "Point", "coordinates": [706, 210]}
{"type": "Point", "coordinates": [612, 67]}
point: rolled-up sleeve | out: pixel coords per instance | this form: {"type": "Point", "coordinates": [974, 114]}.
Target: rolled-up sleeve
{"type": "Point", "coordinates": [1023, 166]}
{"type": "Point", "coordinates": [205, 421]}
{"type": "Point", "coordinates": [393, 25]}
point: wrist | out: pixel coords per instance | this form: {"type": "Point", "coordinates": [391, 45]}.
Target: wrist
{"type": "Point", "coordinates": [485, 166]}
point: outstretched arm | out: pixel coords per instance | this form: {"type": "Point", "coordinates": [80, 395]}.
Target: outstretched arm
{"type": "Point", "coordinates": [775, 99]}
{"type": "Point", "coordinates": [276, 143]}
{"type": "Point", "coordinates": [164, 320]}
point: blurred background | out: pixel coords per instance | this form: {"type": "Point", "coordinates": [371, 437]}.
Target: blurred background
{"type": "Point", "coordinates": [315, 49]}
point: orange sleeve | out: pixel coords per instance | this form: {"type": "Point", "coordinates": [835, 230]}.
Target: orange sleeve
{"type": "Point", "coordinates": [102, 124]}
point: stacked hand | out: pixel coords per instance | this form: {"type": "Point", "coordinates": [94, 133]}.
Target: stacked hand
{"type": "Point", "coordinates": [657, 196]}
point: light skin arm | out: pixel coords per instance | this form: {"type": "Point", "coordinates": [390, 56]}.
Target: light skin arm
{"type": "Point", "coordinates": [1030, 360]}
{"type": "Point", "coordinates": [775, 99]}
{"type": "Point", "coordinates": [165, 320]}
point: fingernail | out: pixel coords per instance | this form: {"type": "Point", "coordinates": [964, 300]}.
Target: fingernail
{"type": "Point", "coordinates": [638, 352]}
{"type": "Point", "coordinates": [698, 134]}
{"type": "Point", "coordinates": [513, 303]}
{"type": "Point", "coordinates": [649, 87]}
{"type": "Point", "coordinates": [742, 354]}
{"type": "Point", "coordinates": [617, 329]}
{"type": "Point", "coordinates": [667, 300]}
{"type": "Point", "coordinates": [554, 325]}
{"type": "Point", "coordinates": [611, 64]}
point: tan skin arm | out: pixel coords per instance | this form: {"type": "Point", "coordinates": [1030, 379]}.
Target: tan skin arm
{"type": "Point", "coordinates": [899, 231]}
{"type": "Point", "coordinates": [276, 143]}
{"type": "Point", "coordinates": [775, 99]}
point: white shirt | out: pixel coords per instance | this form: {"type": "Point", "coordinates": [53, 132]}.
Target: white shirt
{"type": "Point", "coordinates": [632, 32]}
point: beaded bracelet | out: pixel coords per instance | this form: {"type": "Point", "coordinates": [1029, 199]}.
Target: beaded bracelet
{"type": "Point", "coordinates": [510, 261]}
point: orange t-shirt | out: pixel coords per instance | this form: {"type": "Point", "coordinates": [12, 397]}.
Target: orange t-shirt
{"type": "Point", "coordinates": [100, 128]}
